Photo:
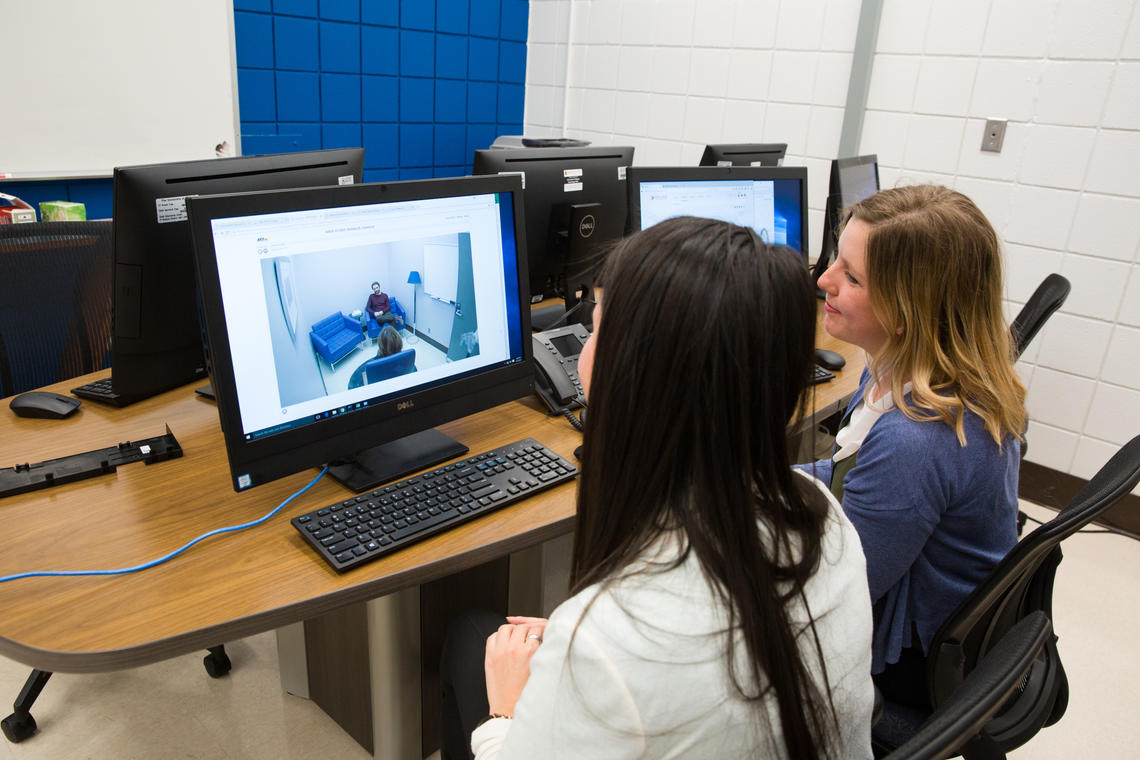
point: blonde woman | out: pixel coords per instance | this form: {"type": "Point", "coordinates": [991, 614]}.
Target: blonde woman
{"type": "Point", "coordinates": [926, 458]}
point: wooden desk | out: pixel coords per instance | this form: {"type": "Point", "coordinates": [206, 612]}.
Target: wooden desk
{"type": "Point", "coordinates": [237, 584]}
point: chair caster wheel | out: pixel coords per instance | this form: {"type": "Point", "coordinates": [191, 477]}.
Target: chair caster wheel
{"type": "Point", "coordinates": [17, 728]}
{"type": "Point", "coordinates": [217, 665]}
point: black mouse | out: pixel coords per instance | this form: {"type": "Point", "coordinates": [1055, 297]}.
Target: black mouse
{"type": "Point", "coordinates": [51, 406]}
{"type": "Point", "coordinates": [829, 359]}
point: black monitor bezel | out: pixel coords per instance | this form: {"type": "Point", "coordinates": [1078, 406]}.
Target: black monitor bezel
{"type": "Point", "coordinates": [161, 256]}
{"type": "Point", "coordinates": [715, 152]}
{"type": "Point", "coordinates": [276, 456]}
{"type": "Point", "coordinates": [537, 164]}
{"type": "Point", "coordinates": [833, 206]}
{"type": "Point", "coordinates": [638, 174]}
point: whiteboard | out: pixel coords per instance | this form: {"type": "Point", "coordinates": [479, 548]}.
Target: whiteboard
{"type": "Point", "coordinates": [441, 271]}
{"type": "Point", "coordinates": [106, 84]}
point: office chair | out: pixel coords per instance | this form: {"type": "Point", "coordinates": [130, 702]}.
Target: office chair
{"type": "Point", "coordinates": [55, 317]}
{"type": "Point", "coordinates": [1021, 584]}
{"type": "Point", "coordinates": [959, 723]}
{"type": "Point", "coordinates": [1046, 299]}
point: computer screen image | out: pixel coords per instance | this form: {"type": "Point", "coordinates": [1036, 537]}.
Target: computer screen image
{"type": "Point", "coordinates": [744, 154]}
{"type": "Point", "coordinates": [852, 180]}
{"type": "Point", "coordinates": [156, 339]}
{"type": "Point", "coordinates": [300, 381]}
{"type": "Point", "coordinates": [770, 200]}
{"type": "Point", "coordinates": [575, 201]}
{"type": "Point", "coordinates": [327, 294]}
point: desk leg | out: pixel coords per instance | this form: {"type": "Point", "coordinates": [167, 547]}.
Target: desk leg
{"type": "Point", "coordinates": [394, 660]}
{"type": "Point", "coordinates": [539, 577]}
{"type": "Point", "coordinates": [292, 665]}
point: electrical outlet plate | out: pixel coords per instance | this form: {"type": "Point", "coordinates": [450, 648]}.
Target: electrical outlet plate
{"type": "Point", "coordinates": [994, 135]}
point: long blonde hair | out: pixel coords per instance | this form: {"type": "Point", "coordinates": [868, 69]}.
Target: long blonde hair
{"type": "Point", "coordinates": [934, 270]}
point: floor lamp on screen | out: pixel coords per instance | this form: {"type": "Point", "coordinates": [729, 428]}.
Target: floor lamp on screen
{"type": "Point", "coordinates": [413, 280]}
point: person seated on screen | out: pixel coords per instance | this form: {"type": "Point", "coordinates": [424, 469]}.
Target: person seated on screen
{"type": "Point", "coordinates": [389, 342]}
{"type": "Point", "coordinates": [720, 605]}
{"type": "Point", "coordinates": [926, 458]}
{"type": "Point", "coordinates": [379, 307]}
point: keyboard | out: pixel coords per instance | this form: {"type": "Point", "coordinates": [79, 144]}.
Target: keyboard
{"type": "Point", "coordinates": [820, 375]}
{"type": "Point", "coordinates": [372, 525]}
{"type": "Point", "coordinates": [99, 390]}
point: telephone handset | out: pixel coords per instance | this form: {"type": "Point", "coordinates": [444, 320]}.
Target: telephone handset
{"type": "Point", "coordinates": [556, 367]}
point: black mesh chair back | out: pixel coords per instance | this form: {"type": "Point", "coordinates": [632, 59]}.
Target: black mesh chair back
{"type": "Point", "coordinates": [1020, 585]}
{"type": "Point", "coordinates": [959, 723]}
{"type": "Point", "coordinates": [1048, 297]}
{"type": "Point", "coordinates": [55, 312]}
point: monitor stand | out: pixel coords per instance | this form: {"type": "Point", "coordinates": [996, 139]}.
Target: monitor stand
{"type": "Point", "coordinates": [380, 464]}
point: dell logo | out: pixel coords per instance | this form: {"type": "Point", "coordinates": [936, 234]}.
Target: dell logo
{"type": "Point", "coordinates": [405, 405]}
{"type": "Point", "coordinates": [586, 226]}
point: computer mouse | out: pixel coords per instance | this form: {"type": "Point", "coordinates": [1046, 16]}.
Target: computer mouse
{"type": "Point", "coordinates": [52, 406]}
{"type": "Point", "coordinates": [829, 359]}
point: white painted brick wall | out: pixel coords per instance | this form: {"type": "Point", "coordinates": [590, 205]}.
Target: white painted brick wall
{"type": "Point", "coordinates": [668, 76]}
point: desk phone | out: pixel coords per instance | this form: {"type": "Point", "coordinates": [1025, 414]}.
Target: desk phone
{"type": "Point", "coordinates": [556, 367]}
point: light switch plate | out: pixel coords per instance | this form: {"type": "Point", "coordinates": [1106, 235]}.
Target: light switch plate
{"type": "Point", "coordinates": [994, 135]}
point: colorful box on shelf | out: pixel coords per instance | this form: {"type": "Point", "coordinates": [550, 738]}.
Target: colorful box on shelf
{"type": "Point", "coordinates": [62, 211]}
{"type": "Point", "coordinates": [16, 215]}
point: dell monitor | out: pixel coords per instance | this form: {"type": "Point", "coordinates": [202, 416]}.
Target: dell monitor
{"type": "Point", "coordinates": [770, 200]}
{"type": "Point", "coordinates": [575, 201]}
{"type": "Point", "coordinates": [156, 341]}
{"type": "Point", "coordinates": [852, 180]}
{"type": "Point", "coordinates": [298, 379]}
{"type": "Point", "coordinates": [744, 154]}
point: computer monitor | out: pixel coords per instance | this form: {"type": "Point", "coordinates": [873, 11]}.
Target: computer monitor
{"type": "Point", "coordinates": [770, 200]}
{"type": "Point", "coordinates": [852, 180]}
{"type": "Point", "coordinates": [299, 381]}
{"type": "Point", "coordinates": [156, 341]}
{"type": "Point", "coordinates": [575, 201]}
{"type": "Point", "coordinates": [744, 154]}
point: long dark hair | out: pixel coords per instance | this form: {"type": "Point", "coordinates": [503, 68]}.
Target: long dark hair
{"type": "Point", "coordinates": [701, 359]}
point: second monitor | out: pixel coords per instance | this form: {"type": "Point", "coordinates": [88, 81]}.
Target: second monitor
{"type": "Point", "coordinates": [770, 200]}
{"type": "Point", "coordinates": [575, 200]}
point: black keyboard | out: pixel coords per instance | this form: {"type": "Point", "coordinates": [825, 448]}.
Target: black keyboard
{"type": "Point", "coordinates": [365, 527]}
{"type": "Point", "coordinates": [820, 375]}
{"type": "Point", "coordinates": [99, 390]}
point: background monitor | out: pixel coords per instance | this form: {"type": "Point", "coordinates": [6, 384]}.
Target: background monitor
{"type": "Point", "coordinates": [156, 341]}
{"type": "Point", "coordinates": [299, 382]}
{"type": "Point", "coordinates": [575, 201]}
{"type": "Point", "coordinates": [852, 180]}
{"type": "Point", "coordinates": [770, 200]}
{"type": "Point", "coordinates": [744, 154]}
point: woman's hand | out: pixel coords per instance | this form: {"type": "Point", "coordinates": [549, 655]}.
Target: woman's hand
{"type": "Point", "coordinates": [507, 661]}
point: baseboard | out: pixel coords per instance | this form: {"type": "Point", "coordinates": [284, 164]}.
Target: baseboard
{"type": "Point", "coordinates": [1051, 488]}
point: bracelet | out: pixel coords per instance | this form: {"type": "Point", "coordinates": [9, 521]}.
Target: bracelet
{"type": "Point", "coordinates": [492, 716]}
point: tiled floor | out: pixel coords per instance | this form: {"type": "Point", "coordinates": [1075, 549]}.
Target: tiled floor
{"type": "Point", "coordinates": [173, 709]}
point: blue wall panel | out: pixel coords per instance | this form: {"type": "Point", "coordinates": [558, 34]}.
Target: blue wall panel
{"type": "Point", "coordinates": [419, 84]}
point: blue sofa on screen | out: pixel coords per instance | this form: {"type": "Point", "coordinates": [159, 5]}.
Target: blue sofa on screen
{"type": "Point", "coordinates": [335, 337]}
{"type": "Point", "coordinates": [384, 368]}
{"type": "Point", "coordinates": [397, 311]}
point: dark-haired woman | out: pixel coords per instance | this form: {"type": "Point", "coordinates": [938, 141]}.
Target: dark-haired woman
{"type": "Point", "coordinates": [720, 605]}
{"type": "Point", "coordinates": [389, 342]}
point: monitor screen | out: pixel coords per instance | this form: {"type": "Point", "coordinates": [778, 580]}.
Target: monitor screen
{"type": "Point", "coordinates": [156, 342]}
{"type": "Point", "coordinates": [770, 200]}
{"type": "Point", "coordinates": [575, 200]}
{"type": "Point", "coordinates": [302, 369]}
{"type": "Point", "coordinates": [744, 154]}
{"type": "Point", "coordinates": [852, 180]}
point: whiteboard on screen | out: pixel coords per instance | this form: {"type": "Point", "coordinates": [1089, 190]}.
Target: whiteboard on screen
{"type": "Point", "coordinates": [441, 271]}
{"type": "Point", "coordinates": [109, 84]}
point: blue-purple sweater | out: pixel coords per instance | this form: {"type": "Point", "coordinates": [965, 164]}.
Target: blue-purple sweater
{"type": "Point", "coordinates": [934, 518]}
